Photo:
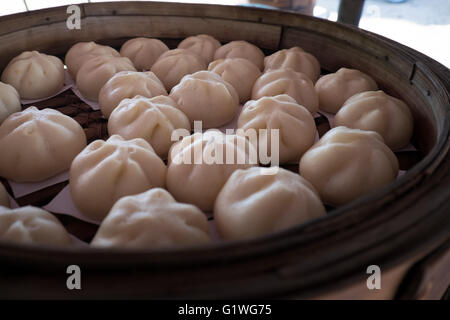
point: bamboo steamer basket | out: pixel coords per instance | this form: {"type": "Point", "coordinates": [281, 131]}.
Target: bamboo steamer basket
{"type": "Point", "coordinates": [404, 227]}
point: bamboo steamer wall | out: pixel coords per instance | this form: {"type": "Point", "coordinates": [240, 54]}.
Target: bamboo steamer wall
{"type": "Point", "coordinates": [404, 227]}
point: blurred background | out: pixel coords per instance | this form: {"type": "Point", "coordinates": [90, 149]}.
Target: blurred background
{"type": "Point", "coordinates": [420, 24]}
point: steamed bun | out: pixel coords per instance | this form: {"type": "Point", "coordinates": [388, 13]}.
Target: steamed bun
{"type": "Point", "coordinates": [4, 198]}
{"type": "Point", "coordinates": [143, 52]}
{"type": "Point", "coordinates": [379, 112]}
{"type": "Point", "coordinates": [152, 119]}
{"type": "Point", "coordinates": [296, 125]}
{"type": "Point", "coordinates": [335, 88]}
{"type": "Point", "coordinates": [241, 49]}
{"type": "Point", "coordinates": [34, 75]}
{"type": "Point", "coordinates": [200, 164]}
{"type": "Point", "coordinates": [105, 171]}
{"type": "Point", "coordinates": [205, 96]}
{"type": "Point", "coordinates": [81, 52]}
{"type": "Point", "coordinates": [240, 73]}
{"type": "Point", "coordinates": [202, 44]}
{"type": "Point", "coordinates": [9, 101]}
{"type": "Point", "coordinates": [38, 144]}
{"type": "Point", "coordinates": [253, 204]}
{"type": "Point", "coordinates": [348, 163]}
{"type": "Point", "coordinates": [287, 81]}
{"type": "Point", "coordinates": [31, 225]}
{"type": "Point", "coordinates": [128, 84]}
{"type": "Point", "coordinates": [95, 72]}
{"type": "Point", "coordinates": [173, 65]}
{"type": "Point", "coordinates": [296, 59]}
{"type": "Point", "coordinates": [152, 219]}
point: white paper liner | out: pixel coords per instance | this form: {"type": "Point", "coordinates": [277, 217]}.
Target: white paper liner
{"type": "Point", "coordinates": [68, 83]}
{"type": "Point", "coordinates": [316, 138]}
{"type": "Point", "coordinates": [20, 189]}
{"type": "Point", "coordinates": [63, 204]}
{"type": "Point", "coordinates": [94, 105]}
{"type": "Point", "coordinates": [409, 147]}
{"type": "Point", "coordinates": [78, 242]}
{"type": "Point", "coordinates": [401, 173]}
{"type": "Point", "coordinates": [214, 234]}
{"type": "Point", "coordinates": [12, 203]}
{"type": "Point", "coordinates": [329, 116]}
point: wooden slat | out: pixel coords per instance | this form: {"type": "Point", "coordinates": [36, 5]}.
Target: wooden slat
{"type": "Point", "coordinates": [181, 27]}
{"type": "Point", "coordinates": [56, 39]}
{"type": "Point", "coordinates": [429, 278]}
{"type": "Point", "coordinates": [25, 20]}
{"type": "Point", "coordinates": [162, 9]}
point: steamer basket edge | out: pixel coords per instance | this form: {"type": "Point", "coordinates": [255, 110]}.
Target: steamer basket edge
{"type": "Point", "coordinates": [411, 73]}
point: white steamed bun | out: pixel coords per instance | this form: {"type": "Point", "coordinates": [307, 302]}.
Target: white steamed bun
{"type": "Point", "coordinates": [152, 220]}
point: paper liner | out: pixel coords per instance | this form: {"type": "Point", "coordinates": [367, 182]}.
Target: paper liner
{"type": "Point", "coordinates": [12, 202]}
{"type": "Point", "coordinates": [94, 105]}
{"type": "Point", "coordinates": [63, 204]}
{"type": "Point", "coordinates": [78, 242]}
{"type": "Point", "coordinates": [68, 83]}
{"type": "Point", "coordinates": [329, 116]}
{"type": "Point", "coordinates": [214, 234]}
{"type": "Point", "coordinates": [20, 189]}
{"type": "Point", "coordinates": [400, 173]}
{"type": "Point", "coordinates": [409, 147]}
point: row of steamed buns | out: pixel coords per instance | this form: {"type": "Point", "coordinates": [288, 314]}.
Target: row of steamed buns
{"type": "Point", "coordinates": [342, 166]}
{"type": "Point", "coordinates": [208, 96]}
